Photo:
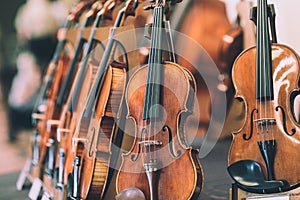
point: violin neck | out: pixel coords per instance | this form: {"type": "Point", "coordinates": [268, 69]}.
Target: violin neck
{"type": "Point", "coordinates": [63, 94]}
{"type": "Point", "coordinates": [153, 85]}
{"type": "Point", "coordinates": [264, 81]}
{"type": "Point", "coordinates": [51, 70]}
{"type": "Point", "coordinates": [84, 65]}
{"type": "Point", "coordinates": [103, 66]}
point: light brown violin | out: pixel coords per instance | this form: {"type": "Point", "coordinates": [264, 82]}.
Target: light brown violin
{"type": "Point", "coordinates": [159, 98]}
{"type": "Point", "coordinates": [266, 79]}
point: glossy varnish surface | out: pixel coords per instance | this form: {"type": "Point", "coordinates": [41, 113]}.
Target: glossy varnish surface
{"type": "Point", "coordinates": [97, 149]}
{"type": "Point", "coordinates": [178, 176]}
{"type": "Point", "coordinates": [285, 75]}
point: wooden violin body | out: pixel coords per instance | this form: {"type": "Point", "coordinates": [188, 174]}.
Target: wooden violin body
{"type": "Point", "coordinates": [96, 150]}
{"type": "Point", "coordinates": [160, 96]}
{"type": "Point", "coordinates": [48, 111]}
{"type": "Point", "coordinates": [69, 121]}
{"type": "Point", "coordinates": [97, 128]}
{"type": "Point", "coordinates": [266, 79]}
{"type": "Point", "coordinates": [174, 158]}
{"type": "Point", "coordinates": [283, 127]}
{"type": "Point", "coordinates": [80, 90]}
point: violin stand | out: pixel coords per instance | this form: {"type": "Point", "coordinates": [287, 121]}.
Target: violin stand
{"type": "Point", "coordinates": [30, 173]}
{"type": "Point", "coordinates": [236, 193]}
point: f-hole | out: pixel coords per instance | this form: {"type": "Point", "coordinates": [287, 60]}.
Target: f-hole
{"type": "Point", "coordinates": [135, 157]}
{"type": "Point", "coordinates": [284, 122]}
{"type": "Point", "coordinates": [171, 144]}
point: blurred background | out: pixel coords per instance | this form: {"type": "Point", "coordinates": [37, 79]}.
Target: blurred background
{"type": "Point", "coordinates": [27, 41]}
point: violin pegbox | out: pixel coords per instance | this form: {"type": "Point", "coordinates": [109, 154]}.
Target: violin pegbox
{"type": "Point", "coordinates": [108, 9]}
{"type": "Point", "coordinates": [130, 7]}
{"type": "Point", "coordinates": [161, 3]}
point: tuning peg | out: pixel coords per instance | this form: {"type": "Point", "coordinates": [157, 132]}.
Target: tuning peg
{"type": "Point", "coordinates": [176, 1]}
{"type": "Point", "coordinates": [135, 4]}
{"type": "Point", "coordinates": [149, 7]}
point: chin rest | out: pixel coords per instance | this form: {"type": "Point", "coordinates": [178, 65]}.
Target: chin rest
{"type": "Point", "coordinates": [248, 176]}
{"type": "Point", "coordinates": [131, 194]}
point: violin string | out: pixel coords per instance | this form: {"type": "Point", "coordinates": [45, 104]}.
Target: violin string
{"type": "Point", "coordinates": [269, 79]}
{"type": "Point", "coordinates": [161, 66]}
{"type": "Point", "coordinates": [269, 107]}
{"type": "Point", "coordinates": [157, 48]}
{"type": "Point", "coordinates": [266, 68]}
{"type": "Point", "coordinates": [272, 125]}
{"type": "Point", "coordinates": [152, 79]}
{"type": "Point", "coordinates": [157, 66]}
{"type": "Point", "coordinates": [154, 75]}
{"type": "Point", "coordinates": [264, 71]}
{"type": "Point", "coordinates": [258, 68]}
{"type": "Point", "coordinates": [158, 69]}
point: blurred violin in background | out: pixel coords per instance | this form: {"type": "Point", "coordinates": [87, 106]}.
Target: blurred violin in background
{"type": "Point", "coordinates": [44, 108]}
{"type": "Point", "coordinates": [206, 22]}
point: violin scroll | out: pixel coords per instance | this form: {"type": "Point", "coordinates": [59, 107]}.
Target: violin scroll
{"type": "Point", "coordinates": [163, 3]}
{"type": "Point", "coordinates": [77, 11]}
{"type": "Point", "coordinates": [129, 9]}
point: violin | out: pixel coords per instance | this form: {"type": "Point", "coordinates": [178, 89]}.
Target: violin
{"type": "Point", "coordinates": [51, 82]}
{"type": "Point", "coordinates": [55, 105]}
{"type": "Point", "coordinates": [94, 134]}
{"type": "Point", "coordinates": [206, 22]}
{"type": "Point", "coordinates": [159, 97]}
{"type": "Point", "coordinates": [266, 79]}
{"type": "Point", "coordinates": [75, 103]}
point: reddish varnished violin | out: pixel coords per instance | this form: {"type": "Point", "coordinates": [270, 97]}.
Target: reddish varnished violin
{"type": "Point", "coordinates": [94, 134]}
{"type": "Point", "coordinates": [56, 72]}
{"type": "Point", "coordinates": [77, 97]}
{"type": "Point", "coordinates": [266, 79]}
{"type": "Point", "coordinates": [60, 98]}
{"type": "Point", "coordinates": [159, 97]}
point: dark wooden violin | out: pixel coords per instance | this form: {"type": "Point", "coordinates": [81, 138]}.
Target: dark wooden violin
{"type": "Point", "coordinates": [159, 97]}
{"type": "Point", "coordinates": [266, 79]}
{"type": "Point", "coordinates": [94, 134]}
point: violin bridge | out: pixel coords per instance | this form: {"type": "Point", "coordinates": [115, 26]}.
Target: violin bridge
{"type": "Point", "coordinates": [75, 141]}
{"type": "Point", "coordinates": [52, 123]}
{"type": "Point", "coordinates": [38, 116]}
{"type": "Point", "coordinates": [151, 143]}
{"type": "Point", "coordinates": [62, 132]}
{"type": "Point", "coordinates": [265, 121]}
